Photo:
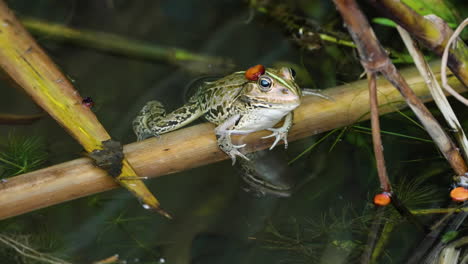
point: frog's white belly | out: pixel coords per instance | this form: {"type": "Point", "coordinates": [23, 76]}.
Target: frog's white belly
{"type": "Point", "coordinates": [261, 119]}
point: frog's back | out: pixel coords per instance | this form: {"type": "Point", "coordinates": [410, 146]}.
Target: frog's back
{"type": "Point", "coordinates": [218, 98]}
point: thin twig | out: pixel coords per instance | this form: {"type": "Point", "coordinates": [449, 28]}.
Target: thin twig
{"type": "Point", "coordinates": [444, 62]}
{"type": "Point", "coordinates": [376, 138]}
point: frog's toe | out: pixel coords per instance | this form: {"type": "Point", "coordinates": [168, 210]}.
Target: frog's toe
{"type": "Point", "coordinates": [234, 153]}
{"type": "Point", "coordinates": [239, 146]}
{"type": "Point", "coordinates": [279, 134]}
{"type": "Point", "coordinates": [278, 138]}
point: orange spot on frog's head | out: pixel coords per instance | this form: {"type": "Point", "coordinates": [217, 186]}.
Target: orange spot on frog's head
{"type": "Point", "coordinates": [254, 72]}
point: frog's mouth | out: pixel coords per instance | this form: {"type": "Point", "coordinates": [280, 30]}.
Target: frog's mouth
{"type": "Point", "coordinates": [271, 103]}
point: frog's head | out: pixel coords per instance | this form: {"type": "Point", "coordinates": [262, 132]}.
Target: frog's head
{"type": "Point", "coordinates": [272, 87]}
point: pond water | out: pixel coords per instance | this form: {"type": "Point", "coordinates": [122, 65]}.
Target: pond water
{"type": "Point", "coordinates": [326, 219]}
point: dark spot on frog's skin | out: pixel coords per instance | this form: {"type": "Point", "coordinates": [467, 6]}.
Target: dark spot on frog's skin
{"type": "Point", "coordinates": [284, 91]}
{"type": "Point", "coordinates": [166, 149]}
{"type": "Point", "coordinates": [172, 123]}
{"type": "Point", "coordinates": [238, 120]}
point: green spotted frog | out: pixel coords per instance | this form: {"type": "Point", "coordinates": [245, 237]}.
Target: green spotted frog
{"type": "Point", "coordinates": [240, 103]}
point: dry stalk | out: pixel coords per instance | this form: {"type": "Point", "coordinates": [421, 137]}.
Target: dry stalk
{"type": "Point", "coordinates": [456, 41]}
{"type": "Point", "coordinates": [374, 59]}
{"type": "Point", "coordinates": [431, 31]}
{"type": "Point", "coordinates": [436, 91]}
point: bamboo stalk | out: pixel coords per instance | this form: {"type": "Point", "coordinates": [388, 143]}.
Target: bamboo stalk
{"type": "Point", "coordinates": [196, 146]}
{"type": "Point", "coordinates": [27, 63]}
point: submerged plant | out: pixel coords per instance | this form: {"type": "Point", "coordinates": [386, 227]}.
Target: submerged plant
{"type": "Point", "coordinates": [328, 238]}
{"type": "Point", "coordinates": [26, 249]}
{"type": "Point", "coordinates": [21, 155]}
{"type": "Point", "coordinates": [338, 235]}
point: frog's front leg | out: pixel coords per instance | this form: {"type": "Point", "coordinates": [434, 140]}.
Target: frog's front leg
{"type": "Point", "coordinates": [281, 132]}
{"type": "Point", "coordinates": [153, 121]}
{"type": "Point", "coordinates": [223, 135]}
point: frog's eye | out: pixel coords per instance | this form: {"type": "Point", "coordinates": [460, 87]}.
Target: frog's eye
{"type": "Point", "coordinates": [265, 84]}
{"type": "Point", "coordinates": [293, 72]}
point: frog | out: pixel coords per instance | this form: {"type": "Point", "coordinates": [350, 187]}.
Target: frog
{"type": "Point", "coordinates": [240, 103]}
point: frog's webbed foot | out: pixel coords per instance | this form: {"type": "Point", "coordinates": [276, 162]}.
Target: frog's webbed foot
{"type": "Point", "coordinates": [279, 134]}
{"type": "Point", "coordinates": [223, 134]}
{"type": "Point", "coordinates": [316, 92]}
{"type": "Point", "coordinates": [225, 144]}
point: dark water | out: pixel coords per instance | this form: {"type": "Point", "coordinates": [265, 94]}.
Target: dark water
{"type": "Point", "coordinates": [326, 220]}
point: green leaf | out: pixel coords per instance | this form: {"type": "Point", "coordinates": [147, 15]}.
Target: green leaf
{"type": "Point", "coordinates": [384, 21]}
{"type": "Point", "coordinates": [442, 8]}
{"type": "Point", "coordinates": [449, 236]}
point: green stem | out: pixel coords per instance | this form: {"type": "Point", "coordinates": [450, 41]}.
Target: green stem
{"type": "Point", "coordinates": [439, 211]}
{"type": "Point", "coordinates": [335, 40]}
{"type": "Point", "coordinates": [396, 134]}
{"type": "Point", "coordinates": [10, 163]}
{"type": "Point", "coordinates": [120, 45]}
{"type": "Point", "coordinates": [383, 239]}
{"type": "Point", "coordinates": [313, 145]}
